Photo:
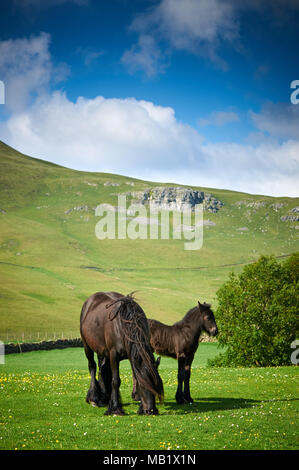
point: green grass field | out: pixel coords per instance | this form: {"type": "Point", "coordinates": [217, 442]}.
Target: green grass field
{"type": "Point", "coordinates": [42, 406]}
{"type": "Point", "coordinates": [51, 260]}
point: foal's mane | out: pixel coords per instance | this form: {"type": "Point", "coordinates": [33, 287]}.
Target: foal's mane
{"type": "Point", "coordinates": [193, 312]}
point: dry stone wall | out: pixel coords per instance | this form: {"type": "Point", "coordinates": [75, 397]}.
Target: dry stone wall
{"type": "Point", "coordinates": [42, 345]}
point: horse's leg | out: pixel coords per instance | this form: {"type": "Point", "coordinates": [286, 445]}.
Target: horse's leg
{"type": "Point", "coordinates": [181, 374]}
{"type": "Point", "coordinates": [94, 393]}
{"type": "Point", "coordinates": [135, 394]}
{"type": "Point", "coordinates": [114, 407]}
{"type": "Point", "coordinates": [187, 396]}
{"type": "Point", "coordinates": [104, 378]}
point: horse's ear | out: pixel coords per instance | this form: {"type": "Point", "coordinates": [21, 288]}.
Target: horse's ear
{"type": "Point", "coordinates": [199, 304]}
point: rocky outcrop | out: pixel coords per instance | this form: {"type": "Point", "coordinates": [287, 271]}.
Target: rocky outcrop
{"type": "Point", "coordinates": [176, 198]}
{"type": "Point", "coordinates": [293, 217]}
{"type": "Point", "coordinates": [290, 218]}
{"type": "Point", "coordinates": [110, 183]}
{"type": "Point", "coordinates": [208, 223]}
{"type": "Point", "coordinates": [277, 206]}
{"type": "Point", "coordinates": [77, 209]}
{"type": "Point", "coordinates": [251, 204]}
{"type": "Point", "coordinates": [91, 184]}
{"type": "Point", "coordinates": [211, 203]}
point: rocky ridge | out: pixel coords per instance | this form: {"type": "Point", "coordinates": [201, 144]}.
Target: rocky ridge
{"type": "Point", "coordinates": [176, 198]}
{"type": "Point", "coordinates": [294, 217]}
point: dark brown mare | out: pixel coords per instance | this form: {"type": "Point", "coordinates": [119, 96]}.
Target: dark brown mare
{"type": "Point", "coordinates": [180, 341]}
{"type": "Point", "coordinates": [115, 327]}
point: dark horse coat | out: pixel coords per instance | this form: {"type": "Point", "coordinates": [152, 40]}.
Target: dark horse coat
{"type": "Point", "coordinates": [180, 341]}
{"type": "Point", "coordinates": [115, 327]}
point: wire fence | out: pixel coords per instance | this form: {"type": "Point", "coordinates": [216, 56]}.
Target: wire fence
{"type": "Point", "coordinates": [37, 336]}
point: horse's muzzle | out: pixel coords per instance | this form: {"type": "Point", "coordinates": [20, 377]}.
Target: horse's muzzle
{"type": "Point", "coordinates": [214, 331]}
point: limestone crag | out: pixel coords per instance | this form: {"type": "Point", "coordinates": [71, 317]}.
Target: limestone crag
{"type": "Point", "coordinates": [294, 217]}
{"type": "Point", "coordinates": [176, 198]}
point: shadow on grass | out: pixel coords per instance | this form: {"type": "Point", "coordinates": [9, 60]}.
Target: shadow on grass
{"type": "Point", "coordinates": [203, 405]}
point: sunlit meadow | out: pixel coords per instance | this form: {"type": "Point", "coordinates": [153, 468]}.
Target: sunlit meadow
{"type": "Point", "coordinates": [42, 406]}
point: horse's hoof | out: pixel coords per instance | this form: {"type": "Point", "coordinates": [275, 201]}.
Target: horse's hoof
{"type": "Point", "coordinates": [115, 413]}
{"type": "Point", "coordinates": [180, 402]}
{"type": "Point", "coordinates": [94, 404]}
{"type": "Point", "coordinates": [153, 411]}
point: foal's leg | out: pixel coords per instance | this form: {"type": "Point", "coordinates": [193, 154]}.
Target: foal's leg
{"type": "Point", "coordinates": [114, 407]}
{"type": "Point", "coordinates": [181, 375]}
{"type": "Point", "coordinates": [187, 396]}
{"type": "Point", "coordinates": [94, 393]}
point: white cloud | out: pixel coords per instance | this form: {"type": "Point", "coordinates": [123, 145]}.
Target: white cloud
{"type": "Point", "coordinates": [219, 118]}
{"type": "Point", "coordinates": [102, 134]}
{"type": "Point", "coordinates": [196, 26]}
{"type": "Point", "coordinates": [92, 56]}
{"type": "Point", "coordinates": [184, 23]}
{"type": "Point", "coordinates": [88, 55]}
{"type": "Point", "coordinates": [280, 120]}
{"type": "Point", "coordinates": [27, 69]}
{"type": "Point", "coordinates": [135, 137]}
{"type": "Point", "coordinates": [145, 56]}
{"type": "Point", "coordinates": [141, 139]}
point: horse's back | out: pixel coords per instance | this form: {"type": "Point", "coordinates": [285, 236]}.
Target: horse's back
{"type": "Point", "coordinates": [96, 300]}
{"type": "Point", "coordinates": [156, 325]}
{"type": "Point", "coordinates": [161, 338]}
{"type": "Point", "coordinates": [94, 324]}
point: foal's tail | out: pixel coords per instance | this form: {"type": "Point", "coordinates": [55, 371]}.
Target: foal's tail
{"type": "Point", "coordinates": [137, 341]}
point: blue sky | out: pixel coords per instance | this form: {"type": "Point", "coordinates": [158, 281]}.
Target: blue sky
{"type": "Point", "coordinates": [190, 91]}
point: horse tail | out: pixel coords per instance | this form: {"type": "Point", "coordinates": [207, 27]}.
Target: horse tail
{"type": "Point", "coordinates": [137, 343]}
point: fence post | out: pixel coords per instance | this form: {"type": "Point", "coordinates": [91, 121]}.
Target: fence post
{"type": "Point", "coordinates": [2, 353]}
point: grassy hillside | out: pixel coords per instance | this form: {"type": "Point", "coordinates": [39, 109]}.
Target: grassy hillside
{"type": "Point", "coordinates": [51, 260]}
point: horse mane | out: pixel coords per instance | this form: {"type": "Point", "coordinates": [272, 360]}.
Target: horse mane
{"type": "Point", "coordinates": [189, 317]}
{"type": "Point", "coordinates": [136, 332]}
{"type": "Point", "coordinates": [193, 312]}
